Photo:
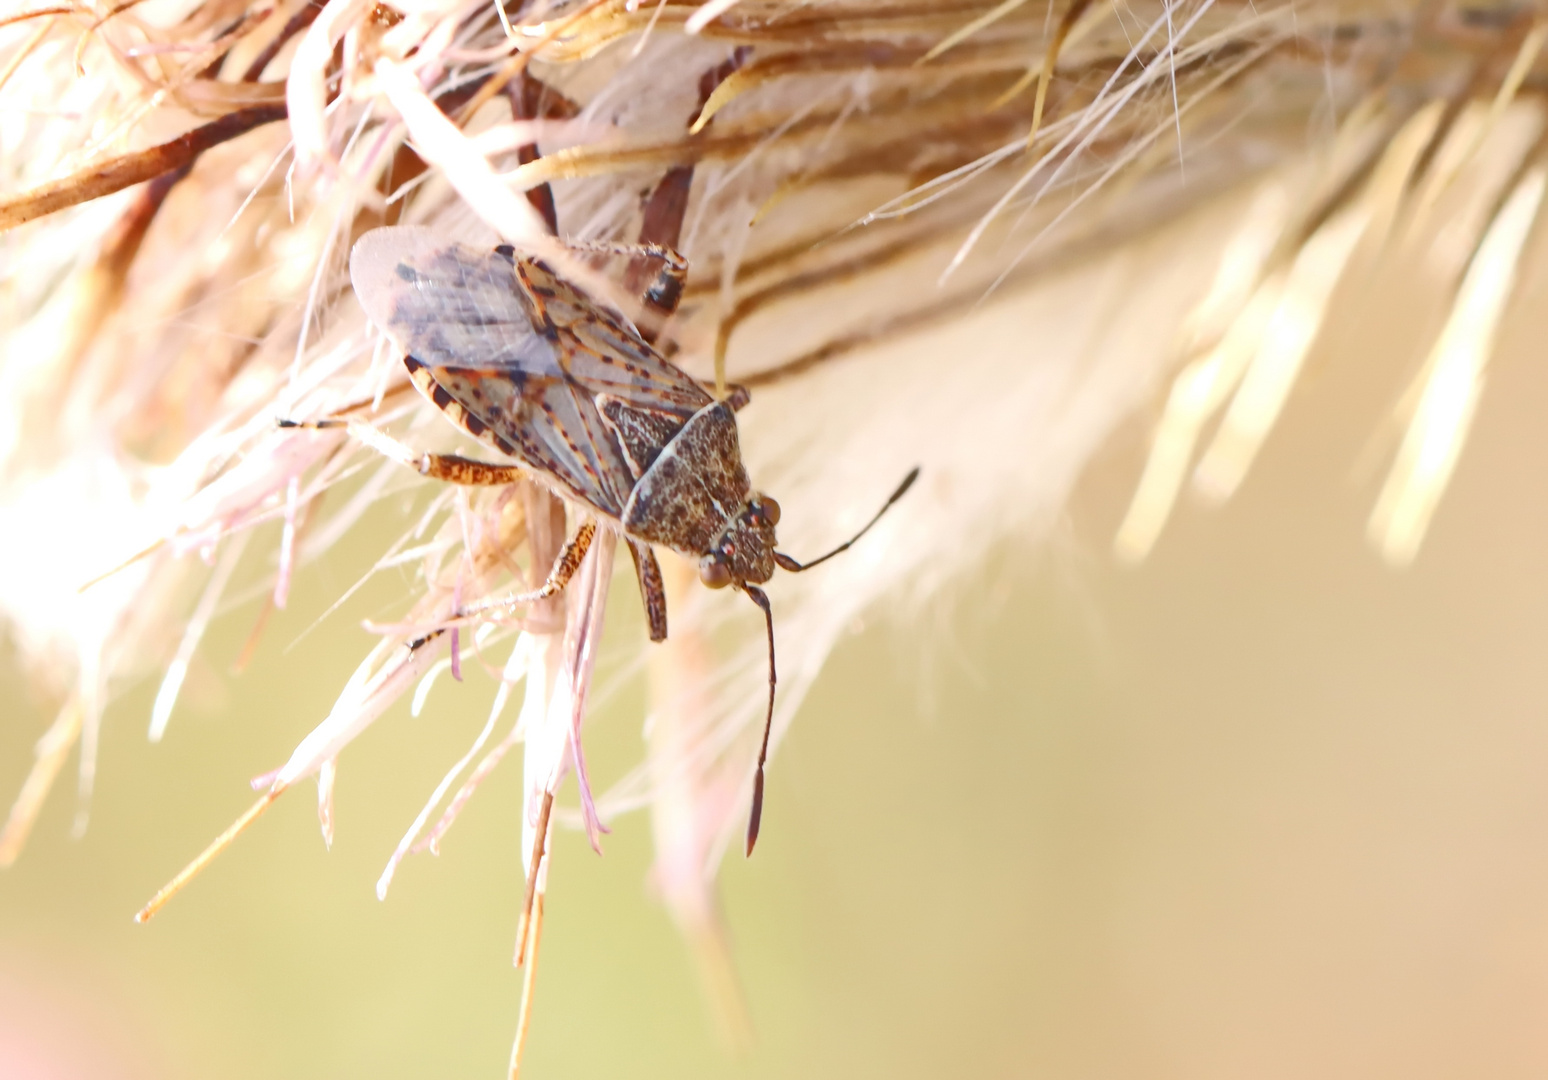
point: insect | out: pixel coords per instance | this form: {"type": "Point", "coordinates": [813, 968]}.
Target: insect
{"type": "Point", "coordinates": [528, 363]}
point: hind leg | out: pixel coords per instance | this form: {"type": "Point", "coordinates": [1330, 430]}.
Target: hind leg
{"type": "Point", "coordinates": [660, 287]}
{"type": "Point", "coordinates": [559, 576]}
{"type": "Point", "coordinates": [451, 468]}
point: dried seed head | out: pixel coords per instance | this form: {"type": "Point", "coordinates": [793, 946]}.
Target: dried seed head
{"type": "Point", "coordinates": [973, 236]}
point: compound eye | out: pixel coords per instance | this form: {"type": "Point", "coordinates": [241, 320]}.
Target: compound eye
{"type": "Point", "coordinates": [768, 509]}
{"type": "Point", "coordinates": [714, 572]}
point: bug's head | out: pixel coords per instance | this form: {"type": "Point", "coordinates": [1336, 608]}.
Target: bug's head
{"type": "Point", "coordinates": [744, 551]}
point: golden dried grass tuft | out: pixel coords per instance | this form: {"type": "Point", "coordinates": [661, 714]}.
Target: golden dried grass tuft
{"type": "Point", "coordinates": [964, 235]}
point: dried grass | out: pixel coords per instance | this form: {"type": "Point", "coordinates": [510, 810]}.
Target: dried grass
{"type": "Point", "coordinates": [967, 236]}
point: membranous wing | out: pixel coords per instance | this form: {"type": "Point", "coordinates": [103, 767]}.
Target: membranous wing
{"type": "Point", "coordinates": [524, 360]}
{"type": "Point", "coordinates": [447, 305]}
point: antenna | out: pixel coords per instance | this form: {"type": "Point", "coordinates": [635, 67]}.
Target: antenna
{"type": "Point", "coordinates": [761, 598]}
{"type": "Point", "coordinates": [787, 563]}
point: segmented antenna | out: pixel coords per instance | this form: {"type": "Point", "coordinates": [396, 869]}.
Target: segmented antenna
{"type": "Point", "coordinates": [759, 597]}
{"type": "Point", "coordinates": [755, 817]}
{"type": "Point", "coordinates": [787, 563]}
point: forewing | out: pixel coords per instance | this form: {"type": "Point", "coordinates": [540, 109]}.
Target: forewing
{"type": "Point", "coordinates": [605, 354]}
{"type": "Point", "coordinates": [461, 316]}
{"type": "Point", "coordinates": [525, 357]}
{"type": "Point", "coordinates": [548, 424]}
{"type": "Point", "coordinates": [448, 305]}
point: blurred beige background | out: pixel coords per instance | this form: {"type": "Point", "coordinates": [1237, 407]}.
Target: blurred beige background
{"type": "Point", "coordinates": [1260, 807]}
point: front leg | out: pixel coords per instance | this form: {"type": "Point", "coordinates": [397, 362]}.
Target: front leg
{"type": "Point", "coordinates": [652, 588]}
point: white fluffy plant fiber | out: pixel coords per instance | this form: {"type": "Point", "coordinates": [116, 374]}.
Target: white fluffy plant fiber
{"type": "Point", "coordinates": [876, 250]}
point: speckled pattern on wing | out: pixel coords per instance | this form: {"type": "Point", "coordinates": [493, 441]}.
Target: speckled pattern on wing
{"type": "Point", "coordinates": [604, 353]}
{"type": "Point", "coordinates": [547, 423]}
{"type": "Point", "coordinates": [519, 358]}
{"type": "Point", "coordinates": [695, 486]}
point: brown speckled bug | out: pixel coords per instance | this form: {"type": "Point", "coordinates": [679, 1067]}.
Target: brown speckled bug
{"type": "Point", "coordinates": [526, 362]}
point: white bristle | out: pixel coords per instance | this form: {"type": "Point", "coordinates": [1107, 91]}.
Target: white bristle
{"type": "Point", "coordinates": [907, 258]}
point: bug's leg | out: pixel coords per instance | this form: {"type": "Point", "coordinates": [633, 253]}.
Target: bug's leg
{"type": "Point", "coordinates": [657, 252]}
{"type": "Point", "coordinates": [568, 562]}
{"type": "Point", "coordinates": [564, 568]}
{"type": "Point", "coordinates": [455, 469]}
{"type": "Point", "coordinates": [656, 279]}
{"type": "Point", "coordinates": [450, 468]}
{"type": "Point", "coordinates": [652, 588]}
{"type": "Point", "coordinates": [656, 274]}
